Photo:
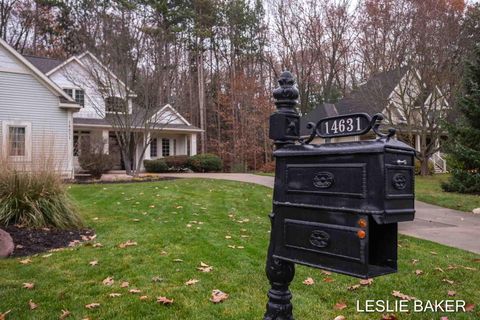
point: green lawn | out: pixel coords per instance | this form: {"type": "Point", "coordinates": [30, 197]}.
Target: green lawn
{"type": "Point", "coordinates": [428, 189]}
{"type": "Point", "coordinates": [189, 220]}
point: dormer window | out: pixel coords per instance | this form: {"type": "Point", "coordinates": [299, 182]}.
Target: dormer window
{"type": "Point", "coordinates": [77, 94]}
{"type": "Point", "coordinates": [115, 104]}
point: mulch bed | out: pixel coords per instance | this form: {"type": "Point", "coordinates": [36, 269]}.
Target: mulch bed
{"type": "Point", "coordinates": [31, 241]}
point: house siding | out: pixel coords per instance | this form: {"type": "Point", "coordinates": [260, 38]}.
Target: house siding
{"type": "Point", "coordinates": [24, 98]}
{"type": "Point", "coordinates": [9, 63]}
{"type": "Point", "coordinates": [73, 75]}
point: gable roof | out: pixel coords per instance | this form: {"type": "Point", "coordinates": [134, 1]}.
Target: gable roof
{"type": "Point", "coordinates": [65, 99]}
{"type": "Point", "coordinates": [42, 63]}
{"type": "Point", "coordinates": [371, 97]}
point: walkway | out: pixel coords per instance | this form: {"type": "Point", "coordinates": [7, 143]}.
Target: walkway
{"type": "Point", "coordinates": [446, 226]}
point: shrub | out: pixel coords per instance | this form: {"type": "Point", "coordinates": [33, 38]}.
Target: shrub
{"type": "Point", "coordinates": [176, 163]}
{"type": "Point", "coordinates": [36, 198]}
{"type": "Point", "coordinates": [205, 163]}
{"type": "Point", "coordinates": [431, 168]}
{"type": "Point", "coordinates": [268, 167]}
{"type": "Point", "coordinates": [155, 166]}
{"type": "Point", "coordinates": [93, 160]}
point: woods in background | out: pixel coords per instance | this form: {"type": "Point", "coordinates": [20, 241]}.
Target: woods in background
{"type": "Point", "coordinates": [216, 61]}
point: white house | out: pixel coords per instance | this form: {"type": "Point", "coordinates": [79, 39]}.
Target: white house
{"type": "Point", "coordinates": [399, 95]}
{"type": "Point", "coordinates": [42, 97]}
{"type": "Point", "coordinates": [36, 115]}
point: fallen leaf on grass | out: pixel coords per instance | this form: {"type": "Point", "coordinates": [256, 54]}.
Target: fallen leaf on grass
{"type": "Point", "coordinates": [327, 273]}
{"type": "Point", "coordinates": [366, 282]}
{"type": "Point", "coordinates": [218, 296]}
{"type": "Point", "coordinates": [114, 295]}
{"type": "Point", "coordinates": [164, 300]}
{"type": "Point", "coordinates": [65, 314]}
{"type": "Point", "coordinates": [128, 243]}
{"type": "Point", "coordinates": [340, 318]}
{"type": "Point", "coordinates": [157, 279]}
{"type": "Point", "coordinates": [124, 284]}
{"type": "Point", "coordinates": [414, 261]}
{"type": "Point", "coordinates": [25, 261]}
{"type": "Point", "coordinates": [444, 318]}
{"type": "Point", "coordinates": [469, 307]}
{"type": "Point", "coordinates": [143, 298]}
{"type": "Point", "coordinates": [433, 252]}
{"type": "Point", "coordinates": [353, 287]}
{"type": "Point", "coordinates": [309, 281]}
{"type": "Point", "coordinates": [191, 282]}
{"type": "Point", "coordinates": [28, 285]}
{"type": "Point", "coordinates": [340, 306]}
{"type": "Point", "coordinates": [93, 263]}
{"type": "Point", "coordinates": [97, 245]}
{"type": "Point", "coordinates": [402, 296]}
{"type": "Point", "coordinates": [108, 281]}
{"type": "Point", "coordinates": [177, 260]}
{"type": "Point", "coordinates": [228, 237]}
{"type": "Point", "coordinates": [3, 315]}
{"type": "Point", "coordinates": [328, 280]}
{"type": "Point", "coordinates": [388, 317]}
{"type": "Point", "coordinates": [204, 267]}
{"type": "Point", "coordinates": [469, 268]}
{"type": "Point", "coordinates": [92, 305]}
{"type": "Point", "coordinates": [439, 269]}
{"type": "Point", "coordinates": [451, 293]}
{"type": "Point", "coordinates": [134, 291]}
{"type": "Point", "coordinates": [418, 272]}
{"type": "Point", "coordinates": [32, 305]}
{"type": "Point", "coordinates": [448, 281]}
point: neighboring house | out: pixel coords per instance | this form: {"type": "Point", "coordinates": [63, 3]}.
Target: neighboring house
{"type": "Point", "coordinates": [47, 106]}
{"type": "Point", "coordinates": [399, 95]}
{"type": "Point", "coordinates": [36, 115]}
{"type": "Point", "coordinates": [173, 134]}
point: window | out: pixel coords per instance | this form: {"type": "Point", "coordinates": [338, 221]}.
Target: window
{"type": "Point", "coordinates": [153, 148]}
{"type": "Point", "coordinates": [80, 139]}
{"type": "Point", "coordinates": [165, 147]}
{"type": "Point", "coordinates": [69, 92]}
{"type": "Point", "coordinates": [80, 97]}
{"type": "Point", "coordinates": [77, 94]}
{"type": "Point", "coordinates": [115, 104]}
{"type": "Point", "coordinates": [16, 141]}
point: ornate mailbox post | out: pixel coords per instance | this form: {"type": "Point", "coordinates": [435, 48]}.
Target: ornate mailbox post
{"type": "Point", "coordinates": [336, 206]}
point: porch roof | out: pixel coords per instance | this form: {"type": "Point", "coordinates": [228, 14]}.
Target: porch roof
{"type": "Point", "coordinates": [102, 123]}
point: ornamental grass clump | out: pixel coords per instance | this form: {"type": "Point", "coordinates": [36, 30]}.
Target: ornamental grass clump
{"type": "Point", "coordinates": [35, 197]}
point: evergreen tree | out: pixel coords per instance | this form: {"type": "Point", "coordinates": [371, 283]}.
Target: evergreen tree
{"type": "Point", "coordinates": [464, 134]}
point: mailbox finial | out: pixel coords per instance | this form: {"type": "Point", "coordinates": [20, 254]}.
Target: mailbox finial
{"type": "Point", "coordinates": [285, 122]}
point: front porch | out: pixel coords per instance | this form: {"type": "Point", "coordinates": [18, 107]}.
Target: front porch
{"type": "Point", "coordinates": [163, 143]}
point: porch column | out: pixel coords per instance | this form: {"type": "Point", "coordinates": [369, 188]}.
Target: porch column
{"type": "Point", "coordinates": [147, 150]}
{"type": "Point", "coordinates": [193, 144]}
{"type": "Point", "coordinates": [105, 138]}
{"type": "Point", "coordinates": [417, 142]}
{"type": "Point", "coordinates": [185, 145]}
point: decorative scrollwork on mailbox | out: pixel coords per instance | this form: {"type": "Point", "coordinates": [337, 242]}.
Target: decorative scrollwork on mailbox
{"type": "Point", "coordinates": [319, 238]}
{"type": "Point", "coordinates": [323, 180]}
{"type": "Point", "coordinates": [399, 181]}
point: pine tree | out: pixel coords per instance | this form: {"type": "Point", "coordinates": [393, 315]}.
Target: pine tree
{"type": "Point", "coordinates": [464, 134]}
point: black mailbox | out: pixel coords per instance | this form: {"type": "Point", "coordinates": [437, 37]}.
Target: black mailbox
{"type": "Point", "coordinates": [336, 206]}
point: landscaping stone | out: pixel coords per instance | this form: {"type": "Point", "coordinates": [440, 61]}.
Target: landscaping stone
{"type": "Point", "coordinates": [6, 244]}
{"type": "Point", "coordinates": [476, 211]}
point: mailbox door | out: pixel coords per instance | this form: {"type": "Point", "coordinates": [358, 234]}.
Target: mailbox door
{"type": "Point", "coordinates": [334, 241]}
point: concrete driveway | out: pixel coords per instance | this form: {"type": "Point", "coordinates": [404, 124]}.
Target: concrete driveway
{"type": "Point", "coordinates": [446, 226]}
